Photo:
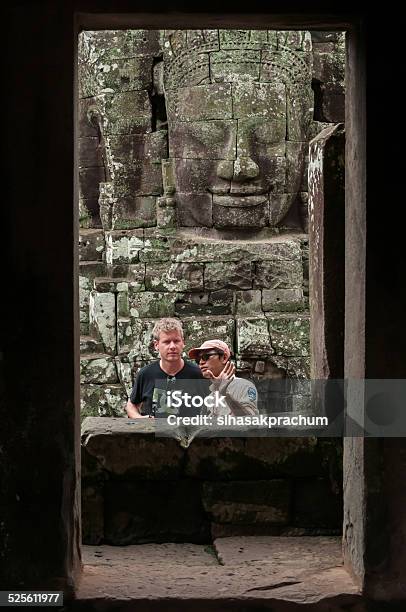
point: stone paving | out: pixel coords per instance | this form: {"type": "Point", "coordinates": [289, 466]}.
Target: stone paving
{"type": "Point", "coordinates": [278, 573]}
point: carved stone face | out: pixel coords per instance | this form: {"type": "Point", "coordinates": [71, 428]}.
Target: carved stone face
{"type": "Point", "coordinates": [237, 134]}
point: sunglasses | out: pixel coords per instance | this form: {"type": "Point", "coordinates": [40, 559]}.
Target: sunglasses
{"type": "Point", "coordinates": [205, 356]}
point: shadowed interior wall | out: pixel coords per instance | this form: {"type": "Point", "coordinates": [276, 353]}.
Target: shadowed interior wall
{"type": "Point", "coordinates": [39, 499]}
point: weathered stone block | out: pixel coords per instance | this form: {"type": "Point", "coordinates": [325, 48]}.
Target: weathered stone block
{"type": "Point", "coordinates": [138, 178]}
{"type": "Point", "coordinates": [124, 371]}
{"type": "Point", "coordinates": [300, 108]}
{"type": "Point", "coordinates": [248, 302]}
{"type": "Point", "coordinates": [87, 79]}
{"type": "Point", "coordinates": [129, 449]}
{"type": "Point", "coordinates": [320, 36]}
{"type": "Point", "coordinates": [121, 43]}
{"type": "Point", "coordinates": [298, 367]}
{"type": "Point", "coordinates": [259, 99]}
{"type": "Point", "coordinates": [158, 78]}
{"type": "Point", "coordinates": [282, 300]}
{"type": "Point", "coordinates": [221, 302]}
{"type": "Point", "coordinates": [326, 513]}
{"type": "Point", "coordinates": [105, 202]}
{"type": "Point", "coordinates": [87, 128]}
{"type": "Point", "coordinates": [273, 167]}
{"type": "Point", "coordinates": [151, 304]}
{"type": "Point", "coordinates": [128, 113]}
{"type": "Point", "coordinates": [253, 337]}
{"type": "Point", "coordinates": [134, 346]}
{"type": "Point", "coordinates": [192, 304]}
{"type": "Point", "coordinates": [194, 209]}
{"type": "Point", "coordinates": [174, 277]}
{"type": "Point", "coordinates": [123, 246]}
{"type": "Point", "coordinates": [227, 66]}
{"type": "Point", "coordinates": [142, 349]}
{"type": "Point", "coordinates": [329, 66]}
{"type": "Point", "coordinates": [127, 148]}
{"type": "Point", "coordinates": [89, 179]}
{"type": "Point", "coordinates": [305, 262]}
{"type": "Point", "coordinates": [333, 105]}
{"type": "Point", "coordinates": [102, 318]}
{"type": "Point", "coordinates": [296, 166]}
{"type": "Point", "coordinates": [238, 216]}
{"type": "Point", "coordinates": [203, 39]}
{"type": "Point", "coordinates": [91, 269]}
{"type": "Point", "coordinates": [204, 304]}
{"type": "Point", "coordinates": [166, 213]}
{"type": "Point", "coordinates": [135, 274]}
{"type": "Point", "coordinates": [200, 103]}
{"type": "Point", "coordinates": [168, 177]}
{"type": "Point", "coordinates": [199, 329]}
{"type": "Point", "coordinates": [123, 306]}
{"type": "Point", "coordinates": [279, 206]}
{"type": "Point", "coordinates": [90, 345]}
{"type": "Point", "coordinates": [89, 216]}
{"type": "Point", "coordinates": [134, 513]}
{"type": "Point", "coordinates": [191, 69]}
{"type": "Point", "coordinates": [102, 401]}
{"type": "Point", "coordinates": [92, 514]}
{"type": "Point", "coordinates": [157, 246]}
{"type": "Point", "coordinates": [90, 152]}
{"type": "Point", "coordinates": [133, 212]}
{"type": "Point", "coordinates": [277, 252]}
{"type": "Point", "coordinates": [316, 127]}
{"type": "Point", "coordinates": [293, 39]}
{"type": "Point", "coordinates": [91, 245]}
{"type": "Point", "coordinates": [110, 285]}
{"type": "Point", "coordinates": [175, 43]}
{"type": "Point", "coordinates": [288, 65]}
{"type": "Point", "coordinates": [202, 251]}
{"type": "Point", "coordinates": [252, 459]}
{"type": "Point", "coordinates": [234, 39]}
{"type": "Point", "coordinates": [283, 272]}
{"type": "Point", "coordinates": [266, 501]}
{"type": "Point", "coordinates": [262, 134]}
{"type": "Point", "coordinates": [197, 175]}
{"type": "Point", "coordinates": [126, 75]}
{"type": "Point", "coordinates": [203, 139]}
{"type": "Point", "coordinates": [290, 334]}
{"type": "Point", "coordinates": [124, 334]}
{"type": "Point", "coordinates": [84, 296]}
{"type": "Point", "coordinates": [97, 368]}
{"type": "Point", "coordinates": [228, 275]}
{"type": "Point", "coordinates": [288, 456]}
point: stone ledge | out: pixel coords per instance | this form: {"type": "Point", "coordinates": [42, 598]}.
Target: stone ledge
{"type": "Point", "coordinates": [217, 486]}
{"type": "Point", "coordinates": [117, 444]}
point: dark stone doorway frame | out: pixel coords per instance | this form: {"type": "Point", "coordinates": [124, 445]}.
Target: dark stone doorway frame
{"type": "Point", "coordinates": [45, 263]}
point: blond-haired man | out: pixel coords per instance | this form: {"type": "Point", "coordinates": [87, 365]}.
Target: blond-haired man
{"type": "Point", "coordinates": [168, 341]}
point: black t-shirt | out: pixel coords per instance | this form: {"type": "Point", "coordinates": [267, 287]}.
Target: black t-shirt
{"type": "Point", "coordinates": [152, 383]}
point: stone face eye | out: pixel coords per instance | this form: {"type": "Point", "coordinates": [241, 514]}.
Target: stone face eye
{"type": "Point", "coordinates": [265, 135]}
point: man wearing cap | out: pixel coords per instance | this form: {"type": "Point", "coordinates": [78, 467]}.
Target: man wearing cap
{"type": "Point", "coordinates": [213, 357]}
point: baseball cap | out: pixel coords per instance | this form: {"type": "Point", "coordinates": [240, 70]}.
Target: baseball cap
{"type": "Point", "coordinates": [210, 344]}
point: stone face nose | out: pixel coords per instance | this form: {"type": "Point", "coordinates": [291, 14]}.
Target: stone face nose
{"type": "Point", "coordinates": [245, 169]}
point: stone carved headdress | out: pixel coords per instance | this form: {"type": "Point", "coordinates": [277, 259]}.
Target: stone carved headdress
{"type": "Point", "coordinates": [200, 57]}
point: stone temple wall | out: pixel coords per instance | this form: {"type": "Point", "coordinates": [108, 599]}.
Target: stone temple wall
{"type": "Point", "coordinates": [193, 195]}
